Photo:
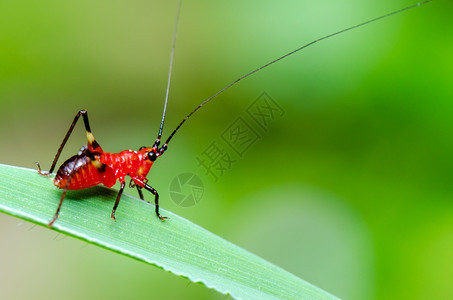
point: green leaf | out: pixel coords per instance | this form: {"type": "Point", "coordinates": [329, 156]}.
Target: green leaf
{"type": "Point", "coordinates": [177, 245]}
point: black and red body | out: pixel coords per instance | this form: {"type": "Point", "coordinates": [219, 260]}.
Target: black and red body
{"type": "Point", "coordinates": [86, 172]}
{"type": "Point", "coordinates": [92, 166]}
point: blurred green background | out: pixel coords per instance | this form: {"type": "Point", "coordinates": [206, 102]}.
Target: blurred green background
{"type": "Point", "coordinates": [350, 190]}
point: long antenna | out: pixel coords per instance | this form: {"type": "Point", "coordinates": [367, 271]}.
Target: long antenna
{"type": "Point", "coordinates": [286, 55]}
{"type": "Point", "coordinates": [172, 55]}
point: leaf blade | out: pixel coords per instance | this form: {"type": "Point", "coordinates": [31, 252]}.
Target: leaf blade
{"type": "Point", "coordinates": [177, 245]}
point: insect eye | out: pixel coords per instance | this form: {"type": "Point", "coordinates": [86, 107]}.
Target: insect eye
{"type": "Point", "coordinates": [152, 156]}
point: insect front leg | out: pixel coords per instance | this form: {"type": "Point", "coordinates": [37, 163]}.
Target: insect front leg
{"type": "Point", "coordinates": [139, 188]}
{"type": "Point", "coordinates": [140, 185]}
{"type": "Point", "coordinates": [156, 200]}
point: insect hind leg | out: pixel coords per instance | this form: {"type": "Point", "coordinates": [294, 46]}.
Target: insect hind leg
{"type": "Point", "coordinates": [63, 195]}
{"type": "Point", "coordinates": [55, 217]}
{"type": "Point", "coordinates": [92, 143]}
{"type": "Point", "coordinates": [40, 171]}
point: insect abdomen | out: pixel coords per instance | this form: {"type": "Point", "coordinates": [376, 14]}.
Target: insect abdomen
{"type": "Point", "coordinates": [80, 170]}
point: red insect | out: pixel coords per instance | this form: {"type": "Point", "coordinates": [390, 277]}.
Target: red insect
{"type": "Point", "coordinates": [92, 166]}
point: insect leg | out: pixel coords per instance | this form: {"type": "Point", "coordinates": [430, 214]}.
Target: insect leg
{"type": "Point", "coordinates": [141, 184]}
{"type": "Point", "coordinates": [139, 190]}
{"type": "Point", "coordinates": [123, 184]}
{"type": "Point", "coordinates": [55, 217]}
{"type": "Point", "coordinates": [63, 195]}
{"type": "Point", "coordinates": [91, 141]}
{"type": "Point", "coordinates": [156, 200]}
{"type": "Point", "coordinates": [140, 193]}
